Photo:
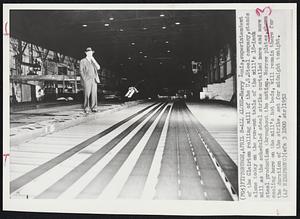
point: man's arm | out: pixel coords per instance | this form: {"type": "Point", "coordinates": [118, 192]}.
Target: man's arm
{"type": "Point", "coordinates": [96, 63]}
{"type": "Point", "coordinates": [81, 70]}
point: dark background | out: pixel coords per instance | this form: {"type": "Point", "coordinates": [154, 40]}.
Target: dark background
{"type": "Point", "coordinates": [169, 52]}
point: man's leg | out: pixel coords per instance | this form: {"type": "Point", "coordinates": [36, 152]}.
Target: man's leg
{"type": "Point", "coordinates": [94, 96]}
{"type": "Point", "coordinates": [87, 93]}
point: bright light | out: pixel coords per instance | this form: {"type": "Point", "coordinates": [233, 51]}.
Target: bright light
{"type": "Point", "coordinates": [121, 30]}
{"type": "Point", "coordinates": [129, 58]}
{"type": "Point", "coordinates": [164, 27]}
{"type": "Point", "coordinates": [162, 15]}
{"type": "Point", "coordinates": [144, 28]}
{"type": "Point", "coordinates": [133, 44]}
{"type": "Point", "coordinates": [168, 51]}
{"type": "Point", "coordinates": [167, 41]}
{"type": "Point", "coordinates": [106, 25]}
{"type": "Point", "coordinates": [84, 25]}
{"type": "Point", "coordinates": [177, 23]}
{"type": "Point", "coordinates": [141, 52]}
{"type": "Point", "coordinates": [145, 56]}
{"type": "Point", "coordinates": [111, 18]}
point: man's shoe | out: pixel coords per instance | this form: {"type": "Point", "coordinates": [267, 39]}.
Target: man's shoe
{"type": "Point", "coordinates": [86, 111]}
{"type": "Point", "coordinates": [94, 110]}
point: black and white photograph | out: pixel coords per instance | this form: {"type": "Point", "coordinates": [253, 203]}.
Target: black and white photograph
{"type": "Point", "coordinates": [123, 104]}
{"type": "Point", "coordinates": [158, 86]}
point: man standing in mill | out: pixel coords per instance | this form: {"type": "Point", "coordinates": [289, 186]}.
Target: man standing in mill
{"type": "Point", "coordinates": [89, 80]}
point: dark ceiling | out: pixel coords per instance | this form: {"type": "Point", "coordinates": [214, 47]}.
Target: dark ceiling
{"type": "Point", "coordinates": [165, 42]}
